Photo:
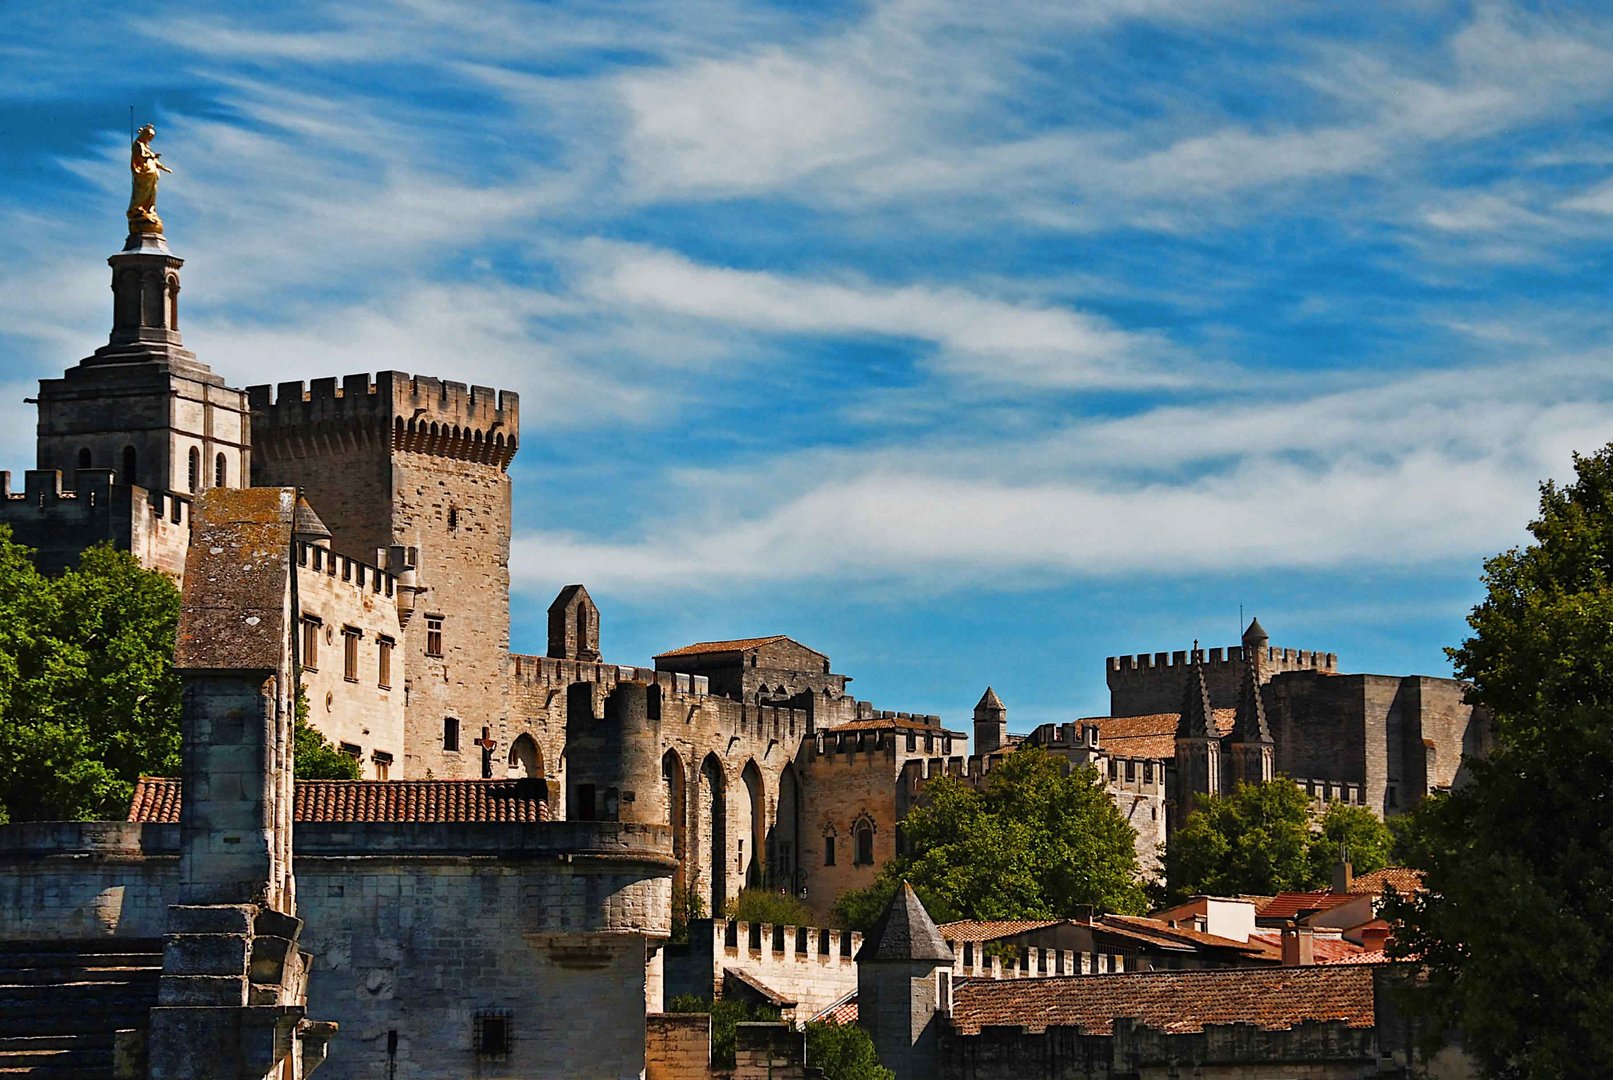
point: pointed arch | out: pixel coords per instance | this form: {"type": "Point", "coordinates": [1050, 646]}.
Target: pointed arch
{"type": "Point", "coordinates": [526, 757]}
{"type": "Point", "coordinates": [676, 781]}
{"type": "Point", "coordinates": [714, 820]}
{"type": "Point", "coordinates": [784, 838]}
{"type": "Point", "coordinates": [750, 826]}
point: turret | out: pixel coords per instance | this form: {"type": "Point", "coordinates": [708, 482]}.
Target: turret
{"type": "Point", "coordinates": [904, 984]}
{"type": "Point", "coordinates": [1198, 741]}
{"type": "Point", "coordinates": [613, 768]}
{"type": "Point", "coordinates": [1250, 745]}
{"type": "Point", "coordinates": [991, 723]}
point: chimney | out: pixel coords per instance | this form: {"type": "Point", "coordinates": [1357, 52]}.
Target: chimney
{"type": "Point", "coordinates": [1343, 872]}
{"type": "Point", "coordinates": [1374, 937]}
{"type": "Point", "coordinates": [1299, 945]}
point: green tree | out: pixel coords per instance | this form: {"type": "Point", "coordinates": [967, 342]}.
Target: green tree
{"type": "Point", "coordinates": [312, 755]}
{"type": "Point", "coordinates": [90, 699]}
{"type": "Point", "coordinates": [844, 1052]}
{"type": "Point", "coordinates": [1033, 841]}
{"type": "Point", "coordinates": [768, 906]}
{"type": "Point", "coordinates": [1263, 838]}
{"type": "Point", "coordinates": [1515, 928]}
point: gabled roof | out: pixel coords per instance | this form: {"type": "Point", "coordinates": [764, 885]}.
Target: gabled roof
{"type": "Point", "coordinates": [1405, 880]}
{"type": "Point", "coordinates": [1270, 998]}
{"type": "Point", "coordinates": [1289, 904]}
{"type": "Point", "coordinates": [904, 932]}
{"type": "Point", "coordinates": [1149, 736]}
{"type": "Point", "coordinates": [842, 1011]}
{"type": "Point", "coordinates": [992, 929]}
{"type": "Point", "coordinates": [1198, 718]}
{"type": "Point", "coordinates": [566, 596]}
{"type": "Point", "coordinates": [1325, 949]}
{"type": "Point", "coordinates": [701, 648]}
{"type": "Point", "coordinates": [1160, 928]}
{"type": "Point", "coordinates": [157, 800]}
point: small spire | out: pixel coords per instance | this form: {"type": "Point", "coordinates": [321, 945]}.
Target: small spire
{"type": "Point", "coordinates": [1249, 724]}
{"type": "Point", "coordinates": [1198, 718]}
{"type": "Point", "coordinates": [1256, 634]}
{"type": "Point", "coordinates": [904, 932]}
{"type": "Point", "coordinates": [990, 702]}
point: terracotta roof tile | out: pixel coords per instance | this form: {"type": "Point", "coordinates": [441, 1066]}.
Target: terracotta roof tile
{"type": "Point", "coordinates": [1272, 999]}
{"type": "Point", "coordinates": [1149, 736]}
{"type": "Point", "coordinates": [156, 800]}
{"type": "Point", "coordinates": [1289, 904]}
{"type": "Point", "coordinates": [1324, 949]}
{"type": "Point", "coordinates": [891, 723]}
{"type": "Point", "coordinates": [843, 1011]}
{"type": "Point", "coordinates": [1375, 956]}
{"type": "Point", "coordinates": [1405, 880]}
{"type": "Point", "coordinates": [736, 645]}
{"type": "Point", "coordinates": [992, 929]}
{"type": "Point", "coordinates": [1185, 933]}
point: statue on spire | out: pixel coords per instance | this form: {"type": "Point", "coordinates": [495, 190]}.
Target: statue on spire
{"type": "Point", "coordinates": [145, 163]}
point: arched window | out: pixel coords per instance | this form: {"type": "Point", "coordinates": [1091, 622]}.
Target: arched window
{"type": "Point", "coordinates": [195, 473]}
{"type": "Point", "coordinates": [128, 464]}
{"type": "Point", "coordinates": [221, 472]}
{"type": "Point", "coordinates": [862, 834]}
{"type": "Point", "coordinates": [84, 458]}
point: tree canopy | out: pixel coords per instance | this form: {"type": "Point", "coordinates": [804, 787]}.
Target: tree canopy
{"type": "Point", "coordinates": [89, 699]}
{"type": "Point", "coordinates": [1033, 841]}
{"type": "Point", "coordinates": [88, 695]}
{"type": "Point", "coordinates": [1516, 926]}
{"type": "Point", "coordinates": [1262, 838]}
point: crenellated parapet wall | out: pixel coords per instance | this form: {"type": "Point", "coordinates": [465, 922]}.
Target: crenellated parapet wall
{"type": "Point", "coordinates": [59, 522]}
{"type": "Point", "coordinates": [1141, 684]}
{"type": "Point", "coordinates": [1322, 792]}
{"type": "Point", "coordinates": [812, 966]}
{"type": "Point", "coordinates": [413, 413]}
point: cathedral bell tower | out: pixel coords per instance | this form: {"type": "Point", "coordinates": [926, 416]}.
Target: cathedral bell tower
{"type": "Point", "coordinates": [142, 405]}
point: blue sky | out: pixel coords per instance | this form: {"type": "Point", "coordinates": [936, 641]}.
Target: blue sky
{"type": "Point", "coordinates": [969, 343]}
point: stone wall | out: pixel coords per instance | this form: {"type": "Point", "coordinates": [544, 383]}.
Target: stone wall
{"type": "Point", "coordinates": [60, 522]}
{"type": "Point", "coordinates": [1148, 683]}
{"type": "Point", "coordinates": [677, 1046]}
{"type": "Point", "coordinates": [811, 966]}
{"type": "Point", "coordinates": [418, 930]}
{"type": "Point", "coordinates": [1311, 1051]}
{"type": "Point", "coordinates": [338, 594]}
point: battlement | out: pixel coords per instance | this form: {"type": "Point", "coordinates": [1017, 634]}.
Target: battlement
{"type": "Point", "coordinates": [420, 413]}
{"type": "Point", "coordinates": [546, 671]}
{"type": "Point", "coordinates": [1272, 659]}
{"type": "Point", "coordinates": [1322, 792]}
{"type": "Point", "coordinates": [362, 575]}
{"type": "Point", "coordinates": [59, 522]}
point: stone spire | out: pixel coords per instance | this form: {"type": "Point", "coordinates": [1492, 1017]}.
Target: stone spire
{"type": "Point", "coordinates": [1255, 642]}
{"type": "Point", "coordinates": [904, 933]}
{"type": "Point", "coordinates": [1249, 725]}
{"type": "Point", "coordinates": [991, 723]}
{"type": "Point", "coordinates": [1198, 717]}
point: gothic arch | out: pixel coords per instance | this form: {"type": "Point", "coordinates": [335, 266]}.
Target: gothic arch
{"type": "Point", "coordinates": [676, 781]}
{"type": "Point", "coordinates": [751, 827]}
{"type": "Point", "coordinates": [784, 845]}
{"type": "Point", "coordinates": [713, 818]}
{"type": "Point", "coordinates": [526, 757]}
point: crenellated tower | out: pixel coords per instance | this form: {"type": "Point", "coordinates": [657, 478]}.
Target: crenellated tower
{"type": "Point", "coordinates": [412, 472]}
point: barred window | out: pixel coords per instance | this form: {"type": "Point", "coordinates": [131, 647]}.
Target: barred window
{"type": "Point", "coordinates": [491, 1033]}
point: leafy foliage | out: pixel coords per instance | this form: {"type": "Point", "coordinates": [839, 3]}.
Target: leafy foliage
{"type": "Point", "coordinates": [687, 906]}
{"type": "Point", "coordinates": [1516, 928]}
{"type": "Point", "coordinates": [768, 906]}
{"type": "Point", "coordinates": [844, 1052]}
{"type": "Point", "coordinates": [313, 757]}
{"type": "Point", "coordinates": [1261, 839]}
{"type": "Point", "coordinates": [726, 1015]}
{"type": "Point", "coordinates": [89, 699]}
{"type": "Point", "coordinates": [1032, 842]}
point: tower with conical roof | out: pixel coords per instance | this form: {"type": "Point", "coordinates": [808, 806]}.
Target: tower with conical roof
{"type": "Point", "coordinates": [1198, 740]}
{"type": "Point", "coordinates": [991, 723]}
{"type": "Point", "coordinates": [904, 974]}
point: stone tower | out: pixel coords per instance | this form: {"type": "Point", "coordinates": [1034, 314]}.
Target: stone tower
{"type": "Point", "coordinates": [991, 723]}
{"type": "Point", "coordinates": [613, 763]}
{"type": "Point", "coordinates": [574, 625]}
{"type": "Point", "coordinates": [411, 468]}
{"type": "Point", "coordinates": [904, 972]}
{"type": "Point", "coordinates": [1250, 747]}
{"type": "Point", "coordinates": [1198, 742]}
{"type": "Point", "coordinates": [142, 404]}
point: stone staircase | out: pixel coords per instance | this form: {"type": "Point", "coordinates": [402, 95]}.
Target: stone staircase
{"type": "Point", "coordinates": [61, 1002]}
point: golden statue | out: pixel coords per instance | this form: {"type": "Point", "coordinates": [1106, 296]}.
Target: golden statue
{"type": "Point", "coordinates": [145, 163]}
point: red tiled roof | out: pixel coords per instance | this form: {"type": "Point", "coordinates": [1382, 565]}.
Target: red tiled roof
{"type": "Point", "coordinates": [1405, 880]}
{"type": "Point", "coordinates": [891, 723]}
{"type": "Point", "coordinates": [1272, 999]}
{"type": "Point", "coordinates": [843, 1011]}
{"type": "Point", "coordinates": [736, 645]}
{"type": "Point", "coordinates": [1289, 904]}
{"type": "Point", "coordinates": [1160, 928]}
{"type": "Point", "coordinates": [1376, 956]}
{"type": "Point", "coordinates": [992, 929]}
{"type": "Point", "coordinates": [156, 800]}
{"type": "Point", "coordinates": [1150, 736]}
{"type": "Point", "coordinates": [1324, 949]}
